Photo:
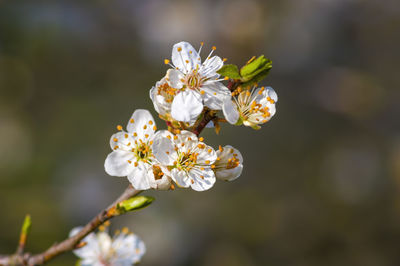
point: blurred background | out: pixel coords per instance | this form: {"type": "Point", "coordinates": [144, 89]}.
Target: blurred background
{"type": "Point", "coordinates": [321, 180]}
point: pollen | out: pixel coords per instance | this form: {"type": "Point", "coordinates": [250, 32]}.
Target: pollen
{"type": "Point", "coordinates": [115, 139]}
{"type": "Point", "coordinates": [192, 181]}
{"type": "Point", "coordinates": [150, 122]}
{"type": "Point", "coordinates": [209, 150]}
{"type": "Point", "coordinates": [167, 152]}
{"type": "Point", "coordinates": [145, 127]}
{"type": "Point", "coordinates": [201, 43]}
{"type": "Point", "coordinates": [168, 136]}
{"type": "Point", "coordinates": [201, 138]}
{"type": "Point", "coordinates": [172, 187]}
{"type": "Point", "coordinates": [134, 134]}
{"type": "Point", "coordinates": [202, 176]}
{"type": "Point", "coordinates": [187, 61]}
{"type": "Point", "coordinates": [125, 230]}
{"type": "Point", "coordinates": [202, 168]}
{"type": "Point", "coordinates": [175, 137]}
{"type": "Point", "coordinates": [207, 162]}
{"type": "Point", "coordinates": [226, 78]}
{"type": "Point", "coordinates": [214, 48]}
{"type": "Point", "coordinates": [129, 161]}
{"type": "Point", "coordinates": [220, 148]}
{"type": "Point", "coordinates": [136, 164]}
{"type": "Point", "coordinates": [213, 166]}
{"type": "Point", "coordinates": [202, 92]}
{"type": "Point", "coordinates": [225, 59]}
{"type": "Point", "coordinates": [179, 49]}
{"type": "Point", "coordinates": [116, 147]}
{"type": "Point", "coordinates": [166, 61]}
{"type": "Point", "coordinates": [132, 120]}
{"type": "Point", "coordinates": [129, 144]}
{"type": "Point", "coordinates": [126, 136]}
{"type": "Point", "coordinates": [119, 127]}
{"type": "Point", "coordinates": [146, 135]}
{"type": "Point", "coordinates": [154, 128]}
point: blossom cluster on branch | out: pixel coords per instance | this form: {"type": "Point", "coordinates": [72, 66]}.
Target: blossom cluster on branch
{"type": "Point", "coordinates": [190, 90]}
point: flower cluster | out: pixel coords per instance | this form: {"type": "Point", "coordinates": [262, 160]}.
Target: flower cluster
{"type": "Point", "coordinates": [189, 97]}
{"type": "Point", "coordinates": [123, 249]}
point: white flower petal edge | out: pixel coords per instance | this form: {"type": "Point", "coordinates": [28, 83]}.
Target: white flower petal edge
{"type": "Point", "coordinates": [252, 108]}
{"type": "Point", "coordinates": [132, 155]}
{"type": "Point", "coordinates": [229, 165]}
{"type": "Point", "coordinates": [188, 161]}
{"type": "Point", "coordinates": [123, 249]}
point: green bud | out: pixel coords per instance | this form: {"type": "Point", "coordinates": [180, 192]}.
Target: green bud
{"type": "Point", "coordinates": [26, 226]}
{"type": "Point", "coordinates": [134, 203]}
{"type": "Point", "coordinates": [255, 70]}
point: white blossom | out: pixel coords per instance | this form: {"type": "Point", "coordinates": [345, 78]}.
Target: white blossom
{"type": "Point", "coordinates": [191, 85]}
{"type": "Point", "coordinates": [186, 159]}
{"type": "Point", "coordinates": [162, 96]}
{"type": "Point", "coordinates": [132, 154]}
{"type": "Point", "coordinates": [251, 108]}
{"type": "Point", "coordinates": [229, 164]}
{"type": "Point", "coordinates": [123, 249]}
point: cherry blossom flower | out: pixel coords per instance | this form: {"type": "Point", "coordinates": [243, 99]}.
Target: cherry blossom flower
{"type": "Point", "coordinates": [229, 163]}
{"type": "Point", "coordinates": [251, 108]}
{"type": "Point", "coordinates": [191, 85]}
{"type": "Point", "coordinates": [123, 249]}
{"type": "Point", "coordinates": [132, 154]}
{"type": "Point", "coordinates": [185, 158]}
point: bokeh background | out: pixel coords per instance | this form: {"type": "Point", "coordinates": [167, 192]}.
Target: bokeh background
{"type": "Point", "coordinates": [321, 180]}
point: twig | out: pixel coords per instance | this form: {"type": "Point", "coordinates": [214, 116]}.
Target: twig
{"type": "Point", "coordinates": [69, 243]}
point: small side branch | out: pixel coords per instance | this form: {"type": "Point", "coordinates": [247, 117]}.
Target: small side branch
{"type": "Point", "coordinates": [69, 243]}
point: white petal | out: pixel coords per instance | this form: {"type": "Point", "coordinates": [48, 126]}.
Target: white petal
{"type": "Point", "coordinates": [272, 94]}
{"type": "Point", "coordinates": [164, 148]}
{"type": "Point", "coordinates": [206, 154]}
{"type": "Point", "coordinates": [221, 171]}
{"type": "Point", "coordinates": [141, 123]}
{"type": "Point", "coordinates": [104, 241]}
{"type": "Point", "coordinates": [174, 78]}
{"type": "Point", "coordinates": [122, 140]}
{"type": "Point", "coordinates": [180, 177]}
{"type": "Point", "coordinates": [186, 106]}
{"type": "Point", "coordinates": [229, 174]}
{"type": "Point", "coordinates": [201, 183]}
{"type": "Point", "coordinates": [210, 67]}
{"type": "Point", "coordinates": [117, 164]}
{"type": "Point", "coordinates": [160, 104]}
{"type": "Point", "coordinates": [140, 176]}
{"type": "Point", "coordinates": [230, 111]}
{"type": "Point", "coordinates": [210, 124]}
{"type": "Point", "coordinates": [185, 57]}
{"type": "Point", "coordinates": [89, 251]}
{"type": "Point", "coordinates": [215, 95]}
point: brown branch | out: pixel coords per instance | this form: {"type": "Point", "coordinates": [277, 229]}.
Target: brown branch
{"type": "Point", "coordinates": [69, 243]}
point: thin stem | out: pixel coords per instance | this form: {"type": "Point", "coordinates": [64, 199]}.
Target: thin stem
{"type": "Point", "coordinates": [71, 242]}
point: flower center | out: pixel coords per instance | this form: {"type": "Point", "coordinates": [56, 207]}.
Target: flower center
{"type": "Point", "coordinates": [186, 161]}
{"type": "Point", "coordinates": [232, 162]}
{"type": "Point", "coordinates": [158, 174]}
{"type": "Point", "coordinates": [166, 91]}
{"type": "Point", "coordinates": [142, 151]}
{"type": "Point", "coordinates": [193, 81]}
